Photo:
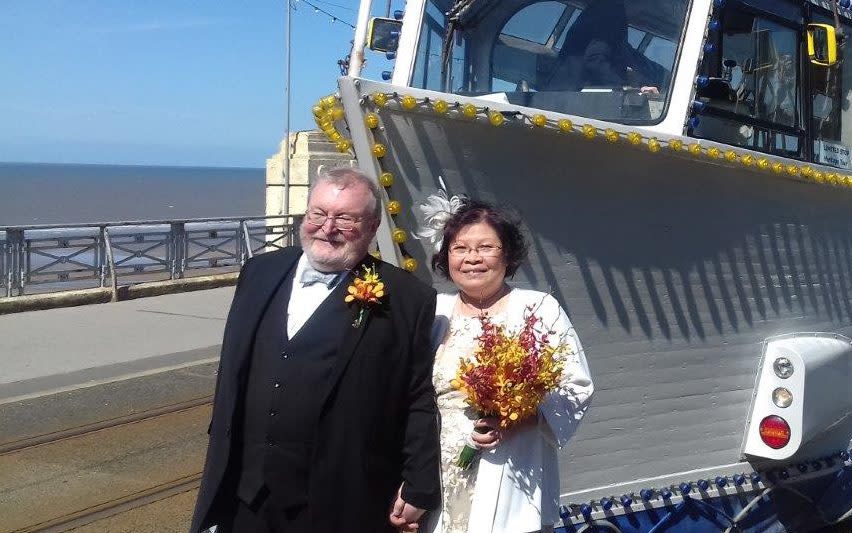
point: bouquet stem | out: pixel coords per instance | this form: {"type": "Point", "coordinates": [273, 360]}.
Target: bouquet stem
{"type": "Point", "coordinates": [466, 457]}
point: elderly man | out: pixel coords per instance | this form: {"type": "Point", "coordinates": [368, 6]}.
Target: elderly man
{"type": "Point", "coordinates": [324, 417]}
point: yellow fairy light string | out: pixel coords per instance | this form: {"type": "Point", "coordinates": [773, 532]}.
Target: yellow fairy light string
{"type": "Point", "coordinates": [343, 145]}
{"type": "Point", "coordinates": [653, 145]}
{"type": "Point", "coordinates": [409, 264]}
{"type": "Point", "coordinates": [394, 207]}
{"type": "Point", "coordinates": [380, 99]}
{"type": "Point", "coordinates": [408, 102]}
{"type": "Point", "coordinates": [399, 236]}
{"type": "Point", "coordinates": [327, 111]}
{"type": "Point", "coordinates": [496, 118]}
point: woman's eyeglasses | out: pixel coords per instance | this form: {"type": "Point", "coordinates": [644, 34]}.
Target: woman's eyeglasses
{"type": "Point", "coordinates": [341, 222]}
{"type": "Point", "coordinates": [483, 250]}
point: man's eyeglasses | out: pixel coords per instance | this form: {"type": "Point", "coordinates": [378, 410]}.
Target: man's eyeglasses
{"type": "Point", "coordinates": [341, 222]}
{"type": "Point", "coordinates": [483, 250]}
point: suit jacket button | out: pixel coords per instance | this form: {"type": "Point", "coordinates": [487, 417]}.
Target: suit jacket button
{"type": "Point", "coordinates": [228, 431]}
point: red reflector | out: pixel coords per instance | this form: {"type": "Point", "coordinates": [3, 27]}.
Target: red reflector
{"type": "Point", "coordinates": [775, 432]}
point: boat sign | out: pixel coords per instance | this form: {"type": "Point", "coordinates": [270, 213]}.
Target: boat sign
{"type": "Point", "coordinates": [834, 154]}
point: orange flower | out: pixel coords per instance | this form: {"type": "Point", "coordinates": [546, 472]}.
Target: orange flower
{"type": "Point", "coordinates": [366, 291]}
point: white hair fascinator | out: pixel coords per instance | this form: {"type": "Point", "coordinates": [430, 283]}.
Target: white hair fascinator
{"type": "Point", "coordinates": [437, 210]}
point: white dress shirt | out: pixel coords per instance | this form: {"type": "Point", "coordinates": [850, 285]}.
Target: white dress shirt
{"type": "Point", "coordinates": [305, 300]}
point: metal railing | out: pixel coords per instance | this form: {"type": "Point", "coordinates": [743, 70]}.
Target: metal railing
{"type": "Point", "coordinates": [62, 257]}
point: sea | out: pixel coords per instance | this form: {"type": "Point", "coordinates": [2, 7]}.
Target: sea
{"type": "Point", "coordinates": [35, 193]}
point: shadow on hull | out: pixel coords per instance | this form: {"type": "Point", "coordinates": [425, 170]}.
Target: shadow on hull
{"type": "Point", "coordinates": [673, 270]}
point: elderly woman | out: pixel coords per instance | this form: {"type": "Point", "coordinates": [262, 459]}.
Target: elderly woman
{"type": "Point", "coordinates": [513, 486]}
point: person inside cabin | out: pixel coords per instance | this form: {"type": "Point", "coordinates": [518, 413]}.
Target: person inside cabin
{"type": "Point", "coordinates": [597, 55]}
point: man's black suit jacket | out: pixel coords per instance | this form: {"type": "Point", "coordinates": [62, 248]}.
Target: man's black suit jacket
{"type": "Point", "coordinates": [378, 426]}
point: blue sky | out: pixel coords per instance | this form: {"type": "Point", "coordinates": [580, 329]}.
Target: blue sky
{"type": "Point", "coordinates": [163, 82]}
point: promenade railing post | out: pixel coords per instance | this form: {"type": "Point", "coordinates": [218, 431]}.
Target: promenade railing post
{"type": "Point", "coordinates": [178, 250]}
{"type": "Point", "coordinates": [245, 250]}
{"type": "Point", "coordinates": [110, 260]}
{"type": "Point", "coordinates": [7, 271]}
{"type": "Point", "coordinates": [16, 262]}
{"type": "Point", "coordinates": [100, 256]}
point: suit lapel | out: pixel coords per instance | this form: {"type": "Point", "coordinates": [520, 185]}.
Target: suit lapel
{"type": "Point", "coordinates": [353, 335]}
{"type": "Point", "coordinates": [263, 285]}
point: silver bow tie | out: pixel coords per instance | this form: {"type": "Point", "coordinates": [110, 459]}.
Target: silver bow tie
{"type": "Point", "coordinates": [311, 276]}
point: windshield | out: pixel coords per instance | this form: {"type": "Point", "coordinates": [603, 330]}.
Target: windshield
{"type": "Point", "coordinates": [606, 59]}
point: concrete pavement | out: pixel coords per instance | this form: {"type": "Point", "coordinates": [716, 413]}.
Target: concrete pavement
{"type": "Point", "coordinates": [55, 350]}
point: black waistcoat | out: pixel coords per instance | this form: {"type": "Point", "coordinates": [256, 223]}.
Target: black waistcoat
{"type": "Point", "coordinates": [281, 406]}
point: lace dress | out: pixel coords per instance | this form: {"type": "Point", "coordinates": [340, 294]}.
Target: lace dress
{"type": "Point", "coordinates": [457, 420]}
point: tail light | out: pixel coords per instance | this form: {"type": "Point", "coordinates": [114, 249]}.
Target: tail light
{"type": "Point", "coordinates": [774, 431]}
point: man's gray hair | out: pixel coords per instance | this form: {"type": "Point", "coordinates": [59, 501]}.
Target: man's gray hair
{"type": "Point", "coordinates": [344, 177]}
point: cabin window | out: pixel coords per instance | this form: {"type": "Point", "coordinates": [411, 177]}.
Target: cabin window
{"type": "Point", "coordinates": [605, 59]}
{"type": "Point", "coordinates": [752, 92]}
{"type": "Point", "coordinates": [427, 66]}
{"type": "Point", "coordinates": [831, 108]}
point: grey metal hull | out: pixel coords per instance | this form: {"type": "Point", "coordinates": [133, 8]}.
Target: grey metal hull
{"type": "Point", "coordinates": [673, 269]}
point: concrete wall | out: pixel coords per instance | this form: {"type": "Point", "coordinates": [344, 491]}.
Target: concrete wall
{"type": "Point", "coordinates": [311, 153]}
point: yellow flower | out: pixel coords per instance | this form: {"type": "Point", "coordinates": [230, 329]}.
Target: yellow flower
{"type": "Point", "coordinates": [366, 291]}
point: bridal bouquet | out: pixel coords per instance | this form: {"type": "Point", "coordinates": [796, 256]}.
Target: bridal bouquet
{"type": "Point", "coordinates": [508, 374]}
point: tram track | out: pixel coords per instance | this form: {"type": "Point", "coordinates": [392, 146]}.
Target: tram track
{"type": "Point", "coordinates": [106, 472]}
{"type": "Point", "coordinates": [111, 508]}
{"type": "Point", "coordinates": [14, 446]}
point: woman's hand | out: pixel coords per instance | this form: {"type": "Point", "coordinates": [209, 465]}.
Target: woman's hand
{"type": "Point", "coordinates": [486, 433]}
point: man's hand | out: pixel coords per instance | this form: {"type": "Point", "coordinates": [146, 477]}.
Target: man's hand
{"type": "Point", "coordinates": [404, 516]}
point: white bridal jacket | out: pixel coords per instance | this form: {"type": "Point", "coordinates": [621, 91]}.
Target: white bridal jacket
{"type": "Point", "coordinates": [517, 485]}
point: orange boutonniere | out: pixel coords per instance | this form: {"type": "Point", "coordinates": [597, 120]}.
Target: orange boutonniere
{"type": "Point", "coordinates": [366, 291]}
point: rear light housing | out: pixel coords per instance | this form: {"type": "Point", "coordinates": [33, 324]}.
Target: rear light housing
{"type": "Point", "coordinates": [774, 432]}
